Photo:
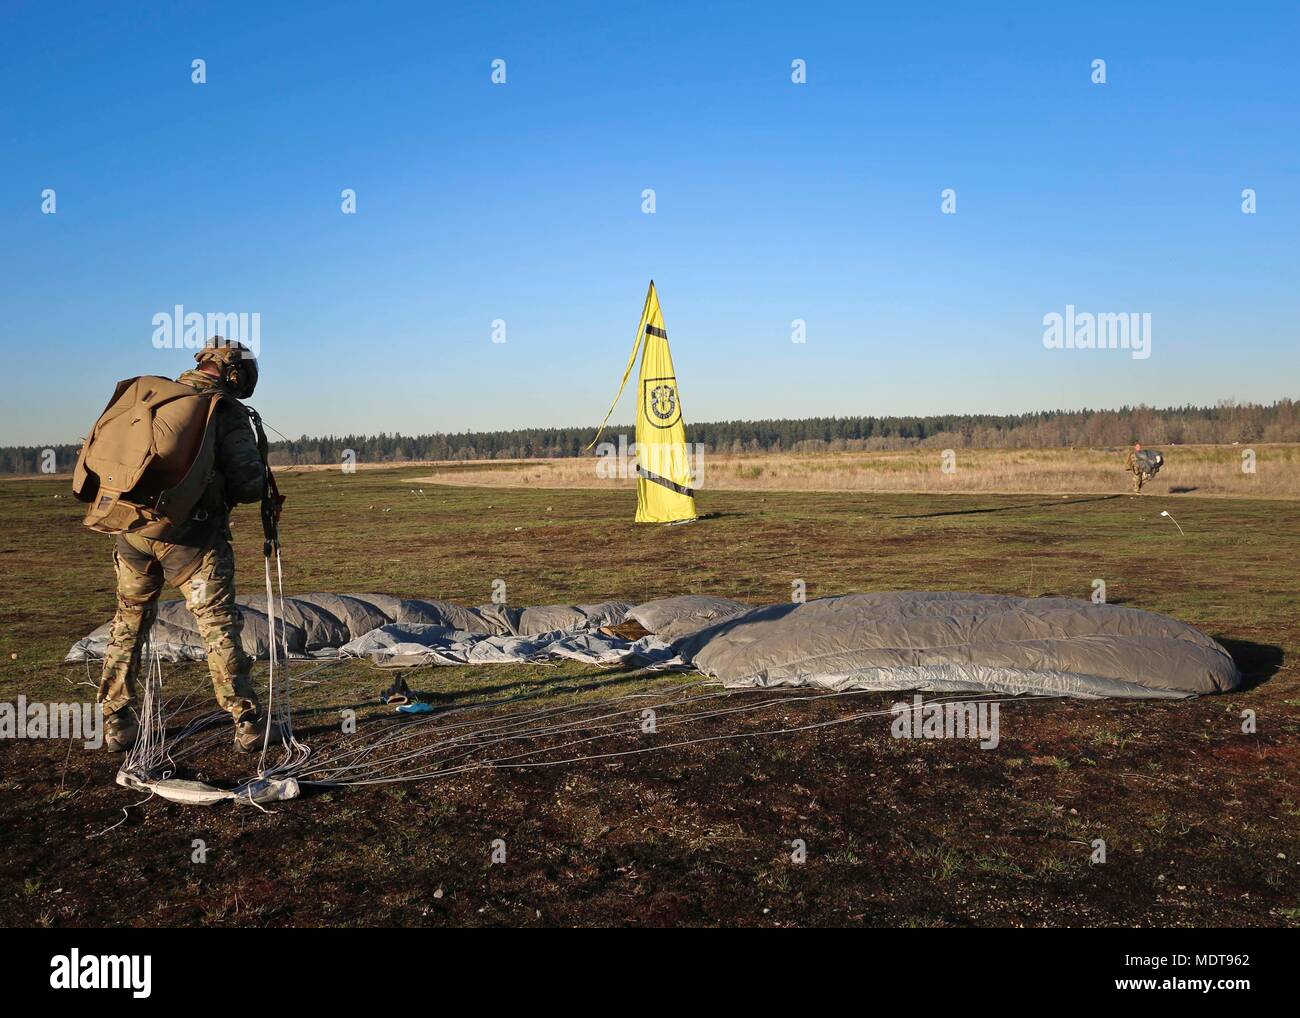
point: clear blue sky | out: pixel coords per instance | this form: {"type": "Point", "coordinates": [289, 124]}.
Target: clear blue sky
{"type": "Point", "coordinates": [522, 202]}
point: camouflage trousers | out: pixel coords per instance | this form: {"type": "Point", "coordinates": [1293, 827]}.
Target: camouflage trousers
{"type": "Point", "coordinates": [1139, 479]}
{"type": "Point", "coordinates": [204, 572]}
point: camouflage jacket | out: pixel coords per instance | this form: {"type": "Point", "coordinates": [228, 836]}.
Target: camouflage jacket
{"type": "Point", "coordinates": [238, 474]}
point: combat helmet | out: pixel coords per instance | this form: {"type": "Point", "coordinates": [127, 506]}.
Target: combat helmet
{"type": "Point", "coordinates": [236, 362]}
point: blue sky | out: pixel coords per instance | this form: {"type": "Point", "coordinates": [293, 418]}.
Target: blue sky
{"type": "Point", "coordinates": [522, 202]}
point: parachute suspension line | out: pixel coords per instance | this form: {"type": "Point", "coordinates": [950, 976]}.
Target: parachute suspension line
{"type": "Point", "coordinates": [279, 711]}
{"type": "Point", "coordinates": [463, 739]}
{"type": "Point", "coordinates": [383, 760]}
{"type": "Point", "coordinates": [298, 751]}
{"type": "Point", "coordinates": [144, 761]}
{"type": "Point", "coordinates": [270, 677]}
{"type": "Point", "coordinates": [140, 765]}
{"type": "Point", "coordinates": [279, 706]}
{"type": "Point", "coordinates": [478, 732]}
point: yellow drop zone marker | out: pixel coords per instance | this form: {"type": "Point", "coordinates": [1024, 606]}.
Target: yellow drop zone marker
{"type": "Point", "coordinates": [663, 488]}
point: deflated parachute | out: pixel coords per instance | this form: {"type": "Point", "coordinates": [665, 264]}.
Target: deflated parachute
{"type": "Point", "coordinates": [322, 625]}
{"type": "Point", "coordinates": [950, 642]}
{"type": "Point", "coordinates": [939, 642]}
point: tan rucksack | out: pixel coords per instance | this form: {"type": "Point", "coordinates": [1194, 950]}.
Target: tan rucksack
{"type": "Point", "coordinates": [149, 457]}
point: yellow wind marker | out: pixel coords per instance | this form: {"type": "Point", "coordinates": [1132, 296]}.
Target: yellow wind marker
{"type": "Point", "coordinates": [663, 489]}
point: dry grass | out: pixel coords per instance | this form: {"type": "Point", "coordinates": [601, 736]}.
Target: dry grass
{"type": "Point", "coordinates": [1203, 469]}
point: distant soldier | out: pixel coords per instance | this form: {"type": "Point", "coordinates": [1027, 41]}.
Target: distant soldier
{"type": "Point", "coordinates": [1143, 465]}
{"type": "Point", "coordinates": [166, 493]}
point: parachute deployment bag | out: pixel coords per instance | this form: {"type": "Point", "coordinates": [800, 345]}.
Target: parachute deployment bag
{"type": "Point", "coordinates": [148, 459]}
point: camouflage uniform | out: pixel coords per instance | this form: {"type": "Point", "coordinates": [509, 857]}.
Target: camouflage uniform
{"type": "Point", "coordinates": [1144, 464]}
{"type": "Point", "coordinates": [1131, 464]}
{"type": "Point", "coordinates": [195, 557]}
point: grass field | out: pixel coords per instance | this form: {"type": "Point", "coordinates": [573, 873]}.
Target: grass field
{"type": "Point", "coordinates": [1201, 820]}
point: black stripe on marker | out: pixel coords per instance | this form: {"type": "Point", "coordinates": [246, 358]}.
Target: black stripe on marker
{"type": "Point", "coordinates": [681, 489]}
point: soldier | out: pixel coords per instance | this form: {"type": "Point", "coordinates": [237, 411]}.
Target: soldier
{"type": "Point", "coordinates": [196, 557]}
{"type": "Point", "coordinates": [1131, 465]}
{"type": "Point", "coordinates": [1142, 465]}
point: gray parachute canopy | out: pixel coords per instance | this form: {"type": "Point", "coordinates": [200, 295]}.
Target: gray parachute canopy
{"type": "Point", "coordinates": [322, 625]}
{"type": "Point", "coordinates": [963, 642]}
{"type": "Point", "coordinates": [939, 642]}
{"type": "Point", "coordinates": [1149, 461]}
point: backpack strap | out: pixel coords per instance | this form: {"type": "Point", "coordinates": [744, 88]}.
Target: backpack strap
{"type": "Point", "coordinates": [177, 502]}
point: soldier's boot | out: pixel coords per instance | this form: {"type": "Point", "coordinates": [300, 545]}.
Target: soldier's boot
{"type": "Point", "coordinates": [121, 729]}
{"type": "Point", "coordinates": [251, 731]}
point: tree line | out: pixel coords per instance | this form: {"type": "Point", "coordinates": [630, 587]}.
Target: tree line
{"type": "Point", "coordinates": [1224, 423]}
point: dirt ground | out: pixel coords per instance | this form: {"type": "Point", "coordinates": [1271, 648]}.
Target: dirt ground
{"type": "Point", "coordinates": [1200, 819]}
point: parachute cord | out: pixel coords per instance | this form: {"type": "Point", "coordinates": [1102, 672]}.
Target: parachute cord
{"type": "Point", "coordinates": [287, 709]}
{"type": "Point", "coordinates": [270, 680]}
{"type": "Point", "coordinates": [146, 757]}
{"type": "Point", "coordinates": [290, 740]}
{"type": "Point", "coordinates": [279, 706]}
